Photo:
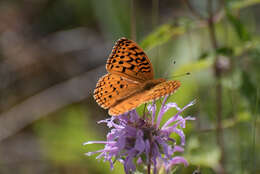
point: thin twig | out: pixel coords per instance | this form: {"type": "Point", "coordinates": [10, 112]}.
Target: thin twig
{"type": "Point", "coordinates": [155, 20]}
{"type": "Point", "coordinates": [150, 155]}
{"type": "Point", "coordinates": [254, 133]}
{"type": "Point", "coordinates": [216, 17]}
{"type": "Point", "coordinates": [193, 10]}
{"type": "Point", "coordinates": [133, 20]}
{"type": "Point", "coordinates": [211, 26]}
{"type": "Point", "coordinates": [155, 12]}
{"type": "Point", "coordinates": [217, 68]}
{"type": "Point", "coordinates": [149, 167]}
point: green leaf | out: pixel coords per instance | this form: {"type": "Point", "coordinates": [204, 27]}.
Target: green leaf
{"type": "Point", "coordinates": [236, 5]}
{"type": "Point", "coordinates": [161, 35]}
{"type": "Point", "coordinates": [239, 27]}
{"type": "Point", "coordinates": [226, 51]}
{"type": "Point", "coordinates": [251, 78]}
{"type": "Point", "coordinates": [203, 55]}
{"type": "Point", "coordinates": [248, 89]}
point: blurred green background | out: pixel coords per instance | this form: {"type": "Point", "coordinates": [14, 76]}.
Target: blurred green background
{"type": "Point", "coordinates": [52, 53]}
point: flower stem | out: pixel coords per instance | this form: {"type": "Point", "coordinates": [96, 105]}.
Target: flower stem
{"type": "Point", "coordinates": [149, 168]}
{"type": "Point", "coordinates": [150, 154]}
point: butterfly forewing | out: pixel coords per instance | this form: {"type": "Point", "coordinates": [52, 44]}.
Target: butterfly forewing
{"type": "Point", "coordinates": [112, 88]}
{"type": "Point", "coordinates": [158, 91]}
{"type": "Point", "coordinates": [129, 60]}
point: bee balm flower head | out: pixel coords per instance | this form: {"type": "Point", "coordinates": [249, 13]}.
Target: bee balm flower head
{"type": "Point", "coordinates": [135, 140]}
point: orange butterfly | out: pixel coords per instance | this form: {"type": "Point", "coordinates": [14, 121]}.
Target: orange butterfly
{"type": "Point", "coordinates": [130, 80]}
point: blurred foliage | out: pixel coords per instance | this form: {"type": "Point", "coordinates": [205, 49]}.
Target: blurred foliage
{"type": "Point", "coordinates": [178, 35]}
{"type": "Point", "coordinates": [64, 146]}
{"type": "Point", "coordinates": [161, 35]}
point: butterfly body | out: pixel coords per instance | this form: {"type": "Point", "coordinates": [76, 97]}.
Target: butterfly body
{"type": "Point", "coordinates": [151, 83]}
{"type": "Point", "coordinates": [130, 81]}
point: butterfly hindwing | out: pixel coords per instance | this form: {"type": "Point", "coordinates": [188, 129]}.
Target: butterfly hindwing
{"type": "Point", "coordinates": [129, 60]}
{"type": "Point", "coordinates": [112, 88]}
{"type": "Point", "coordinates": [158, 91]}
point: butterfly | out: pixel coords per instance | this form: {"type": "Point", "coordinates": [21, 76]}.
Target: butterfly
{"type": "Point", "coordinates": [130, 80]}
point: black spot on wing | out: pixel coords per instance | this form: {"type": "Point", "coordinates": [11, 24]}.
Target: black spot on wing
{"type": "Point", "coordinates": [130, 60]}
{"type": "Point", "coordinates": [133, 48]}
{"type": "Point", "coordinates": [144, 63]}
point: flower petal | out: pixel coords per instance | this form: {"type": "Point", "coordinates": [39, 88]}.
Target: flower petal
{"type": "Point", "coordinates": [172, 119]}
{"type": "Point", "coordinates": [147, 150]}
{"type": "Point", "coordinates": [99, 142]}
{"type": "Point", "coordinates": [181, 134]}
{"type": "Point", "coordinates": [152, 108]}
{"type": "Point", "coordinates": [172, 105]}
{"type": "Point", "coordinates": [178, 160]}
{"type": "Point", "coordinates": [161, 112]}
{"type": "Point", "coordinates": [128, 164]}
{"type": "Point", "coordinates": [164, 145]}
{"type": "Point", "coordinates": [139, 143]}
{"type": "Point", "coordinates": [178, 149]}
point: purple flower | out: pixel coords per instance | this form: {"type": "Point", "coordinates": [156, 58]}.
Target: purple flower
{"type": "Point", "coordinates": [137, 140]}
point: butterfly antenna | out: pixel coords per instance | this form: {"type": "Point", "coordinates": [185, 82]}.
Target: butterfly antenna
{"type": "Point", "coordinates": [179, 75]}
{"type": "Point", "coordinates": [176, 76]}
